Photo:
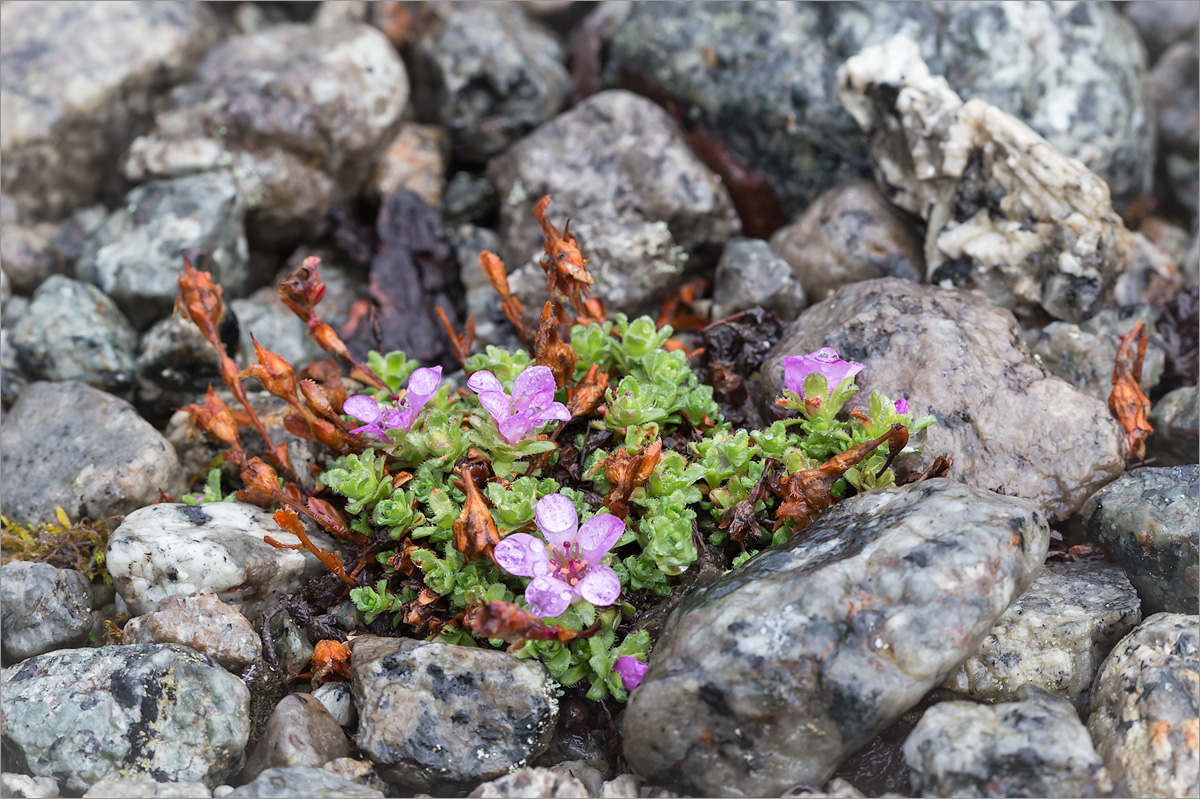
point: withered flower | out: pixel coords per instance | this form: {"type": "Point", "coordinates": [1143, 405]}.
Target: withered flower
{"type": "Point", "coordinates": [1127, 403]}
{"type": "Point", "coordinates": [475, 532]}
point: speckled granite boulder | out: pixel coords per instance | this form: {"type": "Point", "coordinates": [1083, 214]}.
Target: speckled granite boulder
{"type": "Point", "coordinates": [145, 788]}
{"type": "Point", "coordinates": [26, 787]}
{"type": "Point", "coordinates": [1053, 636]}
{"type": "Point", "coordinates": [1176, 422]}
{"type": "Point", "coordinates": [1149, 521]}
{"type": "Point", "coordinates": [292, 781]}
{"type": "Point", "coordinates": [176, 550]}
{"type": "Point", "coordinates": [74, 446]}
{"type": "Point", "coordinates": [643, 206]}
{"type": "Point", "coordinates": [338, 699]}
{"type": "Point", "coordinates": [1033, 746]}
{"type": "Point", "coordinates": [437, 714]}
{"type": "Point", "coordinates": [487, 73]}
{"type": "Point", "coordinates": [81, 715]}
{"type": "Point", "coordinates": [850, 233]}
{"type": "Point", "coordinates": [77, 78]}
{"type": "Point", "coordinates": [773, 674]}
{"type": "Point", "coordinates": [750, 275]}
{"type": "Point", "coordinates": [532, 782]}
{"type": "Point", "coordinates": [1005, 211]}
{"type": "Point", "coordinates": [1005, 422]}
{"type": "Point", "coordinates": [200, 621]}
{"type": "Point", "coordinates": [42, 609]}
{"type": "Point", "coordinates": [1145, 706]}
{"type": "Point", "coordinates": [300, 732]}
{"type": "Point", "coordinates": [1176, 95]}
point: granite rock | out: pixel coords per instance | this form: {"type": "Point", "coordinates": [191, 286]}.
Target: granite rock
{"type": "Point", "coordinates": [532, 782]}
{"type": "Point", "coordinates": [292, 781]}
{"type": "Point", "coordinates": [415, 160]}
{"type": "Point", "coordinates": [1175, 89]}
{"type": "Point", "coordinates": [300, 732]}
{"type": "Point", "coordinates": [26, 787]}
{"type": "Point", "coordinates": [32, 252]}
{"type": "Point", "coordinates": [1176, 422]}
{"type": "Point", "coordinates": [338, 699]}
{"type": "Point", "coordinates": [773, 674]}
{"type": "Point", "coordinates": [146, 788]}
{"type": "Point", "coordinates": [750, 275]}
{"type": "Point", "coordinates": [200, 621]}
{"type": "Point", "coordinates": [1161, 23]}
{"type": "Point", "coordinates": [42, 609]}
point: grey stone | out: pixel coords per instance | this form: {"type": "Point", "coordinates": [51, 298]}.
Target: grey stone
{"type": "Point", "coordinates": [32, 252]}
{"type": "Point", "coordinates": [483, 303]}
{"type": "Point", "coordinates": [488, 74]}
{"type": "Point", "coordinates": [468, 199]}
{"type": "Point", "coordinates": [1033, 746]}
{"type": "Point", "coordinates": [200, 621]}
{"type": "Point", "coordinates": [592, 778]}
{"type": "Point", "coordinates": [761, 76]}
{"type": "Point", "coordinates": [1162, 23]}
{"type": "Point", "coordinates": [850, 233]}
{"type": "Point", "coordinates": [1053, 636]}
{"type": "Point", "coordinates": [22, 785]}
{"type": "Point", "coordinates": [78, 77]}
{"type": "Point", "coordinates": [1002, 419]}
{"type": "Point", "coordinates": [298, 113]}
{"type": "Point", "coordinates": [532, 782]}
{"type": "Point", "coordinates": [338, 699]}
{"type": "Point", "coordinates": [749, 274]}
{"type": "Point", "coordinates": [1005, 211]}
{"type": "Point", "coordinates": [1144, 709]}
{"type": "Point", "coordinates": [136, 255]}
{"type": "Point", "coordinates": [176, 550]}
{"type": "Point", "coordinates": [773, 674]}
{"type": "Point", "coordinates": [644, 208]}
{"type": "Point", "coordinates": [1149, 522]}
{"type": "Point", "coordinates": [1175, 89]}
{"type": "Point", "coordinates": [175, 364]}
{"type": "Point", "coordinates": [625, 785]}
{"type": "Point", "coordinates": [1083, 354]}
{"type": "Point", "coordinates": [73, 331]}
{"type": "Point", "coordinates": [292, 647]}
{"type": "Point", "coordinates": [42, 609]}
{"type": "Point", "coordinates": [437, 714]}
{"type": "Point", "coordinates": [299, 733]}
{"type": "Point", "coordinates": [70, 445]}
{"type": "Point", "coordinates": [360, 772]}
{"type": "Point", "coordinates": [1176, 422]}
{"type": "Point", "coordinates": [145, 788]}
{"type": "Point", "coordinates": [1148, 275]}
{"type": "Point", "coordinates": [584, 747]}
{"type": "Point", "coordinates": [415, 160]}
{"type": "Point", "coordinates": [335, 13]}
{"type": "Point", "coordinates": [12, 379]}
{"type": "Point", "coordinates": [292, 781]}
{"type": "Point", "coordinates": [82, 715]}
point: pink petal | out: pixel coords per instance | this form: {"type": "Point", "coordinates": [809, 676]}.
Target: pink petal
{"type": "Point", "coordinates": [521, 554]}
{"type": "Point", "coordinates": [557, 519]}
{"type": "Point", "coordinates": [535, 384]}
{"type": "Point", "coordinates": [422, 385]}
{"type": "Point", "coordinates": [514, 428]}
{"type": "Point", "coordinates": [548, 597]}
{"type": "Point", "coordinates": [901, 406]}
{"type": "Point", "coordinates": [484, 380]}
{"type": "Point", "coordinates": [631, 670]}
{"type": "Point", "coordinates": [598, 534]}
{"type": "Point", "coordinates": [601, 586]}
{"type": "Point", "coordinates": [497, 404]}
{"type": "Point", "coordinates": [370, 430]}
{"type": "Point", "coordinates": [362, 407]}
{"type": "Point", "coordinates": [555, 410]}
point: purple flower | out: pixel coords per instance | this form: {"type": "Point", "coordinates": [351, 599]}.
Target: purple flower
{"type": "Point", "coordinates": [631, 670]}
{"type": "Point", "coordinates": [824, 361]}
{"type": "Point", "coordinates": [531, 404]}
{"type": "Point", "coordinates": [566, 566]}
{"type": "Point", "coordinates": [377, 421]}
{"type": "Point", "coordinates": [901, 406]}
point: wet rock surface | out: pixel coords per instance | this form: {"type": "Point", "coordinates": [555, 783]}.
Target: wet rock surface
{"type": "Point", "coordinates": [81, 715]}
{"type": "Point", "coordinates": [300, 732]}
{"type": "Point", "coordinates": [283, 783]}
{"type": "Point", "coordinates": [42, 608]}
{"type": "Point", "coordinates": [202, 622]}
{"type": "Point", "coordinates": [1144, 709]}
{"type": "Point", "coordinates": [436, 714]}
{"type": "Point", "coordinates": [1003, 420]}
{"type": "Point", "coordinates": [1053, 636]}
{"type": "Point", "coordinates": [1149, 522]}
{"type": "Point", "coordinates": [1176, 422]}
{"type": "Point", "coordinates": [750, 275]}
{"type": "Point", "coordinates": [1033, 746]}
{"type": "Point", "coordinates": [532, 782]}
{"type": "Point", "coordinates": [807, 637]}
{"type": "Point", "coordinates": [70, 445]}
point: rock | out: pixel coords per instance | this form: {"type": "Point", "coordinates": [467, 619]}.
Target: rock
{"type": "Point", "coordinates": [338, 699]}
{"type": "Point", "coordinates": [1083, 354]}
{"type": "Point", "coordinates": [176, 364]}
{"type": "Point", "coordinates": [292, 647]}
{"type": "Point", "coordinates": [532, 782]}
{"type": "Point", "coordinates": [415, 160]}
{"type": "Point", "coordinates": [176, 550]}
{"type": "Point", "coordinates": [1172, 239]}
{"type": "Point", "coordinates": [850, 233]}
{"type": "Point", "coordinates": [1053, 636]}
{"type": "Point", "coordinates": [643, 207]}
{"type": "Point", "coordinates": [82, 715]}
{"type": "Point", "coordinates": [1003, 420]}
{"type": "Point", "coordinates": [1161, 24]}
{"type": "Point", "coordinates": [73, 331]}
{"type": "Point", "coordinates": [831, 636]}
{"type": "Point", "coordinates": [335, 13]}
{"type": "Point", "coordinates": [70, 445]}
{"type": "Point", "coordinates": [142, 788]}
{"type": "Point", "coordinates": [42, 609]}
{"type": "Point", "coordinates": [488, 74]}
{"type": "Point", "coordinates": [1006, 212]}
{"type": "Point", "coordinates": [623, 786]}
{"type": "Point", "coordinates": [298, 113]}
{"type": "Point", "coordinates": [468, 199]}
{"type": "Point", "coordinates": [1034, 746]}
{"type": "Point", "coordinates": [1144, 709]}
{"type": "Point", "coordinates": [1175, 89]}
{"type": "Point", "coordinates": [591, 778]}
{"type": "Point", "coordinates": [483, 303]}
{"type": "Point", "coordinates": [437, 714]}
{"type": "Point", "coordinates": [30, 253]}
{"type": "Point", "coordinates": [1149, 522]}
{"type": "Point", "coordinates": [1176, 422]}
{"type": "Point", "coordinates": [762, 78]}
{"type": "Point", "coordinates": [200, 621]}
{"type": "Point", "coordinates": [12, 379]}
{"type": "Point", "coordinates": [299, 733]}
{"type": "Point", "coordinates": [22, 785]}
{"type": "Point", "coordinates": [750, 275]}
{"type": "Point", "coordinates": [136, 255]}
{"type": "Point", "coordinates": [359, 772]}
{"type": "Point", "coordinates": [285, 783]}
{"type": "Point", "coordinates": [78, 77]}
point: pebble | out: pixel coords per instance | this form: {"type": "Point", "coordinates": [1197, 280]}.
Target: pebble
{"type": "Point", "coordinates": [1145, 709]}
{"type": "Point", "coordinates": [33, 251]}
{"type": "Point", "coordinates": [141, 788]}
{"type": "Point", "coordinates": [532, 782]}
{"type": "Point", "coordinates": [176, 364]}
{"type": "Point", "coordinates": [42, 609]}
{"type": "Point", "coordinates": [311, 783]}
{"type": "Point", "coordinates": [26, 787]}
{"type": "Point", "coordinates": [750, 275]}
{"type": "Point", "coordinates": [200, 621]}
{"type": "Point", "coordinates": [1176, 422]}
{"type": "Point", "coordinates": [415, 160]}
{"type": "Point", "coordinates": [831, 636]}
{"type": "Point", "coordinates": [1032, 746]}
{"type": "Point", "coordinates": [443, 715]}
{"type": "Point", "coordinates": [338, 699]}
{"type": "Point", "coordinates": [300, 732]}
{"type": "Point", "coordinates": [1174, 87]}
{"type": "Point", "coordinates": [70, 445]}
{"type": "Point", "coordinates": [83, 715]}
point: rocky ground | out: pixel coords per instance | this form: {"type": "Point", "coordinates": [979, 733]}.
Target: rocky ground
{"type": "Point", "coordinates": [975, 201]}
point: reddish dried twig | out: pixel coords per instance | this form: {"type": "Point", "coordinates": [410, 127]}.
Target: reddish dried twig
{"type": "Point", "coordinates": [567, 277]}
{"type": "Point", "coordinates": [493, 267]}
{"type": "Point", "coordinates": [1127, 403]}
{"type": "Point", "coordinates": [550, 350]}
{"type": "Point", "coordinates": [475, 532]}
{"type": "Point", "coordinates": [461, 343]}
{"type": "Point", "coordinates": [677, 310]}
{"type": "Point", "coordinates": [508, 622]}
{"type": "Point", "coordinates": [289, 521]}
